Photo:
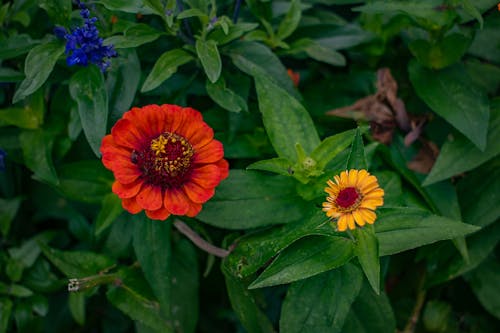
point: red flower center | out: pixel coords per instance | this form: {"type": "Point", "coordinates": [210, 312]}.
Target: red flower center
{"type": "Point", "coordinates": [166, 162]}
{"type": "Point", "coordinates": [347, 197]}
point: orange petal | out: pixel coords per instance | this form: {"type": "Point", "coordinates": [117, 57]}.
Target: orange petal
{"type": "Point", "coordinates": [210, 153]}
{"type": "Point", "coordinates": [342, 223]}
{"type": "Point", "coordinates": [358, 218]}
{"type": "Point", "coordinates": [127, 173]}
{"type": "Point", "coordinates": [198, 134]}
{"type": "Point", "coordinates": [176, 201]}
{"type": "Point", "coordinates": [173, 117]}
{"type": "Point", "coordinates": [194, 209]}
{"type": "Point", "coordinates": [344, 178]}
{"type": "Point", "coordinates": [352, 178]}
{"type": "Point", "coordinates": [131, 206]}
{"type": "Point", "coordinates": [197, 193]}
{"type": "Point", "coordinates": [127, 190]}
{"type": "Point", "coordinates": [160, 214]}
{"type": "Point", "coordinates": [368, 215]}
{"type": "Point", "coordinates": [150, 197]}
{"type": "Point", "coordinates": [125, 134]}
{"type": "Point", "coordinates": [350, 221]}
{"type": "Point", "coordinates": [223, 166]}
{"type": "Point", "coordinates": [207, 176]}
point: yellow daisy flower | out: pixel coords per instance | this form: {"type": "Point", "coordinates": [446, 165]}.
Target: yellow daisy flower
{"type": "Point", "coordinates": [352, 198]}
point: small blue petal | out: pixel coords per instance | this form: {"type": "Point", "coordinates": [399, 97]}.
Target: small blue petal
{"type": "Point", "coordinates": [3, 154]}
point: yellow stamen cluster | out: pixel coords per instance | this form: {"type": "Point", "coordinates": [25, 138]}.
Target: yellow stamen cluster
{"type": "Point", "coordinates": [173, 153]}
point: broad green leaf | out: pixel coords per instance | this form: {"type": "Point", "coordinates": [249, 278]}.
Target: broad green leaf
{"type": "Point", "coordinates": [460, 155]}
{"type": "Point", "coordinates": [16, 45]}
{"type": "Point", "coordinates": [15, 290]}
{"type": "Point", "coordinates": [8, 210]}
{"type": "Point", "coordinates": [59, 11]}
{"type": "Point", "coordinates": [37, 68]}
{"type": "Point", "coordinates": [484, 283]}
{"type": "Point", "coordinates": [479, 198]}
{"type": "Point", "coordinates": [330, 147]}
{"type": "Point", "coordinates": [86, 181]}
{"type": "Point", "coordinates": [485, 75]}
{"type": "Point", "coordinates": [291, 21]}
{"type": "Point", "coordinates": [305, 258]}
{"type": "Point", "coordinates": [133, 37]}
{"type": "Point", "coordinates": [235, 31]}
{"type": "Point", "coordinates": [165, 67]}
{"type": "Point", "coordinates": [87, 88]}
{"type": "Point", "coordinates": [366, 250]}
{"type": "Point", "coordinates": [37, 148]}
{"type": "Point", "coordinates": [157, 7]}
{"type": "Point", "coordinates": [401, 229]}
{"type": "Point", "coordinates": [5, 311]}
{"type": "Point", "coordinates": [224, 96]}
{"type": "Point", "coordinates": [258, 60]}
{"type": "Point", "coordinates": [185, 285]}
{"type": "Point", "coordinates": [256, 206]}
{"type": "Point", "coordinates": [485, 43]}
{"type": "Point", "coordinates": [110, 210]}
{"type": "Point", "coordinates": [245, 305]}
{"type": "Point", "coordinates": [77, 264]}
{"type": "Point", "coordinates": [128, 6]}
{"type": "Point", "coordinates": [76, 303]}
{"type": "Point", "coordinates": [479, 245]}
{"type": "Point", "coordinates": [287, 122]}
{"type": "Point", "coordinates": [8, 75]}
{"type": "Point", "coordinates": [123, 81]}
{"type": "Point", "coordinates": [153, 250]}
{"type": "Point", "coordinates": [318, 51]}
{"type": "Point", "coordinates": [370, 313]}
{"type": "Point", "coordinates": [393, 190]}
{"type": "Point", "coordinates": [321, 303]}
{"type": "Point", "coordinates": [210, 58]}
{"type": "Point", "coordinates": [139, 308]}
{"type": "Point", "coordinates": [473, 11]}
{"type": "Point", "coordinates": [25, 117]}
{"type": "Point", "coordinates": [27, 253]}
{"type": "Point", "coordinates": [255, 249]}
{"type": "Point", "coordinates": [441, 54]}
{"type": "Point", "coordinates": [335, 37]}
{"type": "Point", "coordinates": [356, 158]}
{"type": "Point", "coordinates": [277, 165]}
{"type": "Point", "coordinates": [422, 12]}
{"type": "Point", "coordinates": [448, 92]}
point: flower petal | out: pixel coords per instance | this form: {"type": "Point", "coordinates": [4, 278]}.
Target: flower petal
{"type": "Point", "coordinates": [344, 178]}
{"type": "Point", "coordinates": [197, 193]}
{"type": "Point", "coordinates": [342, 223]}
{"type": "Point", "coordinates": [150, 197]}
{"type": "Point", "coordinates": [194, 209]}
{"type": "Point", "coordinates": [358, 218]}
{"type": "Point", "coordinates": [350, 221]}
{"type": "Point", "coordinates": [176, 201]}
{"type": "Point", "coordinates": [223, 166]}
{"type": "Point", "coordinates": [207, 176]}
{"type": "Point", "coordinates": [127, 190]}
{"type": "Point", "coordinates": [125, 134]}
{"type": "Point", "coordinates": [368, 215]}
{"type": "Point", "coordinates": [352, 178]}
{"type": "Point", "coordinates": [371, 203]}
{"type": "Point", "coordinates": [210, 153]}
{"type": "Point", "coordinates": [160, 214]}
{"type": "Point", "coordinates": [131, 206]}
{"type": "Point", "coordinates": [127, 173]}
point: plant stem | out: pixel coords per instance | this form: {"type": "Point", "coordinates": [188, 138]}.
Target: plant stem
{"type": "Point", "coordinates": [198, 241]}
{"type": "Point", "coordinates": [417, 308]}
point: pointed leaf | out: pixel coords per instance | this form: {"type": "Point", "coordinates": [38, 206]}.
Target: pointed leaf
{"type": "Point", "coordinates": [291, 20]}
{"type": "Point", "coordinates": [356, 159]}
{"type": "Point", "coordinates": [330, 147]}
{"type": "Point", "coordinates": [87, 88]}
{"type": "Point", "coordinates": [8, 210]}
{"type": "Point", "coordinates": [484, 283]}
{"type": "Point", "coordinates": [110, 210]}
{"type": "Point", "coordinates": [210, 58]}
{"type": "Point", "coordinates": [165, 67]}
{"type": "Point", "coordinates": [367, 252]}
{"type": "Point", "coordinates": [37, 152]}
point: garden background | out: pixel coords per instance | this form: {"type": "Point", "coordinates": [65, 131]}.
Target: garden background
{"type": "Point", "coordinates": [296, 92]}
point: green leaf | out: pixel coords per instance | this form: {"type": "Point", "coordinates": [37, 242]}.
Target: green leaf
{"type": "Point", "coordinates": [478, 198]}
{"type": "Point", "coordinates": [76, 302]}
{"type": "Point", "coordinates": [255, 249]}
{"type": "Point", "coordinates": [37, 68]}
{"type": "Point", "coordinates": [291, 21]}
{"type": "Point", "coordinates": [5, 312]}
{"type": "Point", "coordinates": [235, 31]}
{"type": "Point", "coordinates": [318, 51]}
{"type": "Point", "coordinates": [258, 60]}
{"type": "Point", "coordinates": [15, 290]}
{"type": "Point", "coordinates": [27, 253]}
{"type": "Point", "coordinates": [156, 6]}
{"type": "Point", "coordinates": [16, 45]}
{"type": "Point", "coordinates": [232, 208]}
{"type": "Point", "coordinates": [330, 147]}
{"type": "Point", "coordinates": [165, 67]}
{"type": "Point", "coordinates": [210, 58]}
{"type": "Point", "coordinates": [287, 122]}
{"type": "Point", "coordinates": [305, 258]}
{"type": "Point", "coordinates": [139, 308]}
{"type": "Point", "coordinates": [321, 303]}
{"type": "Point", "coordinates": [26, 117]}
{"type": "Point", "coordinates": [86, 181]}
{"type": "Point", "coordinates": [244, 304]}
{"type": "Point", "coordinates": [8, 210]}
{"type": "Point", "coordinates": [37, 152]}
{"type": "Point", "coordinates": [134, 36]}
{"type": "Point", "coordinates": [76, 264]}
{"type": "Point", "coordinates": [225, 97]}
{"type": "Point", "coordinates": [473, 11]}
{"type": "Point", "coordinates": [277, 165]}
{"type": "Point", "coordinates": [460, 155]}
{"type": "Point", "coordinates": [110, 210]}
{"type": "Point", "coordinates": [128, 6]}
{"type": "Point", "coordinates": [153, 250]}
{"type": "Point", "coordinates": [448, 92]}
{"type": "Point", "coordinates": [370, 313]}
{"type": "Point", "coordinates": [443, 53]}
{"type": "Point", "coordinates": [59, 11]}
{"type": "Point", "coordinates": [401, 229]}
{"type": "Point", "coordinates": [485, 43]}
{"type": "Point", "coordinates": [10, 75]}
{"type": "Point", "coordinates": [484, 283]}
{"type": "Point", "coordinates": [123, 81]}
{"type": "Point", "coordinates": [88, 89]}
{"type": "Point", "coordinates": [367, 252]}
{"type": "Point", "coordinates": [356, 158]}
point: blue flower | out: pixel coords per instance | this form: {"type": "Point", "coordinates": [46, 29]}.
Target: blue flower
{"type": "Point", "coordinates": [2, 159]}
{"type": "Point", "coordinates": [83, 44]}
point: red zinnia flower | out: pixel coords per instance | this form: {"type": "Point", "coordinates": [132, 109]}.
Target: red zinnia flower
{"type": "Point", "coordinates": [165, 160]}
